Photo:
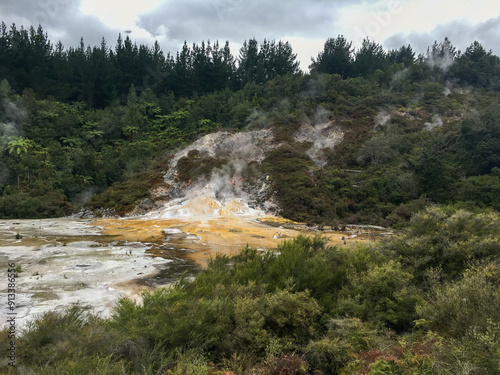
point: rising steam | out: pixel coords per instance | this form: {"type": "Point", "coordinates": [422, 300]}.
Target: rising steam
{"type": "Point", "coordinates": [11, 119]}
{"type": "Point", "coordinates": [437, 122]}
{"type": "Point", "coordinates": [323, 134]}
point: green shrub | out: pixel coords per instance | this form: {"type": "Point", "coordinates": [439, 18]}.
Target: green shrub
{"type": "Point", "coordinates": [192, 363]}
{"type": "Point", "coordinates": [445, 238]}
{"type": "Point", "coordinates": [22, 205]}
{"type": "Point", "coordinates": [122, 196]}
{"type": "Point", "coordinates": [232, 319]}
{"type": "Point", "coordinates": [383, 293]}
{"type": "Point", "coordinates": [344, 338]}
{"type": "Point", "coordinates": [484, 190]}
{"type": "Point", "coordinates": [467, 307]}
{"type": "Point", "coordinates": [287, 317]}
{"type": "Point", "coordinates": [57, 336]}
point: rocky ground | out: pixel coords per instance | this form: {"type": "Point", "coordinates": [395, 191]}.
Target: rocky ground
{"type": "Point", "coordinates": [239, 152]}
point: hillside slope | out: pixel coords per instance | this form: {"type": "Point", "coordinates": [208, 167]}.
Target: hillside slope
{"type": "Point", "coordinates": [372, 145]}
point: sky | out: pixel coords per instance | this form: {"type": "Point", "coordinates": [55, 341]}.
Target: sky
{"type": "Point", "coordinates": [305, 24]}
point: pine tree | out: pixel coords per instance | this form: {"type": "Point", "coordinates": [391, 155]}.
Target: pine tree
{"type": "Point", "coordinates": [248, 61]}
{"type": "Point", "coordinates": [336, 58]}
{"type": "Point", "coordinates": [403, 55]}
{"type": "Point", "coordinates": [369, 58]}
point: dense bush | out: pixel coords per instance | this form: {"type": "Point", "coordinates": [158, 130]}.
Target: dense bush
{"type": "Point", "coordinates": [121, 197]}
{"type": "Point", "coordinates": [22, 205]}
{"type": "Point", "coordinates": [398, 306]}
{"type": "Point", "coordinates": [445, 241]}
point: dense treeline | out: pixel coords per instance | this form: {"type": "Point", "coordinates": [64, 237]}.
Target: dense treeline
{"type": "Point", "coordinates": [423, 302]}
{"type": "Point", "coordinates": [97, 76]}
{"type": "Point", "coordinates": [81, 122]}
{"type": "Point", "coordinates": [442, 62]}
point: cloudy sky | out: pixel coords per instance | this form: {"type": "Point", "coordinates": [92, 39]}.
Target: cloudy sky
{"type": "Point", "coordinates": [305, 24]}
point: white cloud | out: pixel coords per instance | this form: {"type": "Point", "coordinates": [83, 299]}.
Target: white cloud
{"type": "Point", "coordinates": [305, 48]}
{"type": "Point", "coordinates": [123, 16]}
{"type": "Point", "coordinates": [381, 19]}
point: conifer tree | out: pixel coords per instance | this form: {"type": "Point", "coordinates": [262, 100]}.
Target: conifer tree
{"type": "Point", "coordinates": [336, 57]}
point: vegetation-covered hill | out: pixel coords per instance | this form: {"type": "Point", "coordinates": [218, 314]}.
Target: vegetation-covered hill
{"type": "Point", "coordinates": [87, 121]}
